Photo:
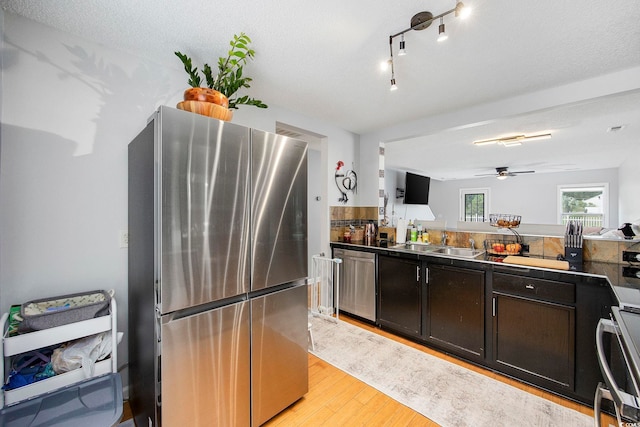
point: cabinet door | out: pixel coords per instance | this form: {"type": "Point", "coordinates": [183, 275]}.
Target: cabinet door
{"type": "Point", "coordinates": [456, 308]}
{"type": "Point", "coordinates": [535, 338]}
{"type": "Point", "coordinates": [400, 294]}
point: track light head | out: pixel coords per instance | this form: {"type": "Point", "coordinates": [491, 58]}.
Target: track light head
{"type": "Point", "coordinates": [402, 51]}
{"type": "Point", "coordinates": [393, 85]}
{"type": "Point", "coordinates": [442, 34]}
{"type": "Point", "coordinates": [462, 11]}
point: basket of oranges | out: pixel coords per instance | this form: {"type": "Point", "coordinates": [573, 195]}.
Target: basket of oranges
{"type": "Point", "coordinates": [502, 248]}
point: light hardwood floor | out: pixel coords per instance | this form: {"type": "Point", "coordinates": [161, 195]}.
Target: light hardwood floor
{"type": "Point", "coordinates": [338, 399]}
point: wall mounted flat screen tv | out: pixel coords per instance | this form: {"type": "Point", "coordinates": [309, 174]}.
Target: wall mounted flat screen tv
{"type": "Point", "coordinates": [416, 189]}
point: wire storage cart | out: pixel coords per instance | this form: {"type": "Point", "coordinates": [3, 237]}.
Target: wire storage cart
{"type": "Point", "coordinates": [69, 399]}
{"type": "Point", "coordinates": [324, 286]}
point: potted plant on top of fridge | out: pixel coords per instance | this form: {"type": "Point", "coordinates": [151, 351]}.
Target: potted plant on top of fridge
{"type": "Point", "coordinates": [219, 98]}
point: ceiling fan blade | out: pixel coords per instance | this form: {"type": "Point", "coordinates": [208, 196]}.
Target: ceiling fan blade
{"type": "Point", "coordinates": [487, 174]}
{"type": "Point", "coordinates": [523, 172]}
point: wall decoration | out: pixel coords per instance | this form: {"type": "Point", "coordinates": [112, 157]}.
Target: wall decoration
{"type": "Point", "coordinates": [345, 181]}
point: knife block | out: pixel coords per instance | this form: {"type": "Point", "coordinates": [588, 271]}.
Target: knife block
{"type": "Point", "coordinates": [574, 256]}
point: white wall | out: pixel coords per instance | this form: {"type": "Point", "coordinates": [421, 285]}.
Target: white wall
{"type": "Point", "coordinates": [534, 196]}
{"type": "Point", "coordinates": [629, 189]}
{"type": "Point", "coordinates": [69, 109]}
{"type": "Point", "coordinates": [396, 208]}
{"type": "Point", "coordinates": [369, 167]}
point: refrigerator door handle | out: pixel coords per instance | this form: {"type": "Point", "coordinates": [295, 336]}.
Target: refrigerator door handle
{"type": "Point", "coordinates": [158, 328]}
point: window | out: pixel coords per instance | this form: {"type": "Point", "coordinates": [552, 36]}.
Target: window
{"type": "Point", "coordinates": [587, 203]}
{"type": "Point", "coordinates": [474, 204]}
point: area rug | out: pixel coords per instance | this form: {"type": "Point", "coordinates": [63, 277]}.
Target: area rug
{"type": "Point", "coordinates": [447, 394]}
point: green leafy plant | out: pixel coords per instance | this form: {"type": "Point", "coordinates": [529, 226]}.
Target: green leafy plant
{"type": "Point", "coordinates": [230, 78]}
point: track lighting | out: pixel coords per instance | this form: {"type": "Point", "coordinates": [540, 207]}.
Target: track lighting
{"type": "Point", "coordinates": [393, 85]}
{"type": "Point", "coordinates": [421, 21]}
{"type": "Point", "coordinates": [511, 141]}
{"type": "Point", "coordinates": [442, 35]}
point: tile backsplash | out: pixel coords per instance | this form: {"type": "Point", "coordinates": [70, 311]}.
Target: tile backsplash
{"type": "Point", "coordinates": [344, 216]}
{"type": "Point", "coordinates": [543, 246]}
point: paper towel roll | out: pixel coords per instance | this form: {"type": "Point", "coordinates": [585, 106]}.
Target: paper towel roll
{"type": "Point", "coordinates": [401, 231]}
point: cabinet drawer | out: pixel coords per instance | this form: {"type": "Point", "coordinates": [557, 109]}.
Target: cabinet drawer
{"type": "Point", "coordinates": [548, 290]}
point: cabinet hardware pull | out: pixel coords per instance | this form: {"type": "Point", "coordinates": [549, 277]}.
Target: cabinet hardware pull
{"type": "Point", "coordinates": [529, 287]}
{"type": "Point", "coordinates": [494, 306]}
{"type": "Point", "coordinates": [426, 275]}
{"type": "Point", "coordinates": [418, 273]}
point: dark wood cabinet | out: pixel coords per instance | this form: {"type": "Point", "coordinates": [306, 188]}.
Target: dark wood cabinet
{"type": "Point", "coordinates": [400, 286]}
{"type": "Point", "coordinates": [456, 309]}
{"type": "Point", "coordinates": [536, 325]}
{"type": "Point", "coordinates": [534, 329]}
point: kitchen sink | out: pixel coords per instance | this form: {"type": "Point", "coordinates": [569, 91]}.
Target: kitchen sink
{"type": "Point", "coordinates": [415, 247]}
{"type": "Point", "coordinates": [445, 250]}
{"type": "Point", "coordinates": [463, 252]}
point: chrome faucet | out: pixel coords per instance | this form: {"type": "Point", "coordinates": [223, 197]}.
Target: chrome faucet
{"type": "Point", "coordinates": [444, 238]}
{"type": "Point", "coordinates": [473, 244]}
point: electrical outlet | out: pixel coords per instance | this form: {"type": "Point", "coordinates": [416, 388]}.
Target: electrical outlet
{"type": "Point", "coordinates": [630, 256]}
{"type": "Point", "coordinates": [124, 238]}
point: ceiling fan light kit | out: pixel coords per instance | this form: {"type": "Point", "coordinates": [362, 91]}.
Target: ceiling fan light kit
{"type": "Point", "coordinates": [502, 172]}
{"type": "Point", "coordinates": [419, 22]}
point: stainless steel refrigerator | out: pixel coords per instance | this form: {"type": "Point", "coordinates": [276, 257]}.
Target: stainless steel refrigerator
{"type": "Point", "coordinates": [217, 271]}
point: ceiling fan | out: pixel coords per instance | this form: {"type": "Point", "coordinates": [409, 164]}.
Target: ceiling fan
{"type": "Point", "coordinates": [503, 173]}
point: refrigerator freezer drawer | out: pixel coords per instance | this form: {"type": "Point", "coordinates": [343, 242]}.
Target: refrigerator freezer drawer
{"type": "Point", "coordinates": [205, 368]}
{"type": "Point", "coordinates": [279, 351]}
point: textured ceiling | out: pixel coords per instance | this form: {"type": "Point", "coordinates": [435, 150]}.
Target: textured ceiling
{"type": "Point", "coordinates": [322, 59]}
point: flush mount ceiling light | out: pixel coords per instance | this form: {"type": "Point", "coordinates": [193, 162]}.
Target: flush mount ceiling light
{"type": "Point", "coordinates": [511, 141]}
{"type": "Point", "coordinates": [419, 22]}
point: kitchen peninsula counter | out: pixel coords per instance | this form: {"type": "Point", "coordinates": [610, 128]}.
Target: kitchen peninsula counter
{"type": "Point", "coordinates": [621, 274]}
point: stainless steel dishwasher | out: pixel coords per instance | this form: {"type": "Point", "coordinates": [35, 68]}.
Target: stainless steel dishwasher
{"type": "Point", "coordinates": [357, 283]}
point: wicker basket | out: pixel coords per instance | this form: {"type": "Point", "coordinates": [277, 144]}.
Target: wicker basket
{"type": "Point", "coordinates": [504, 220]}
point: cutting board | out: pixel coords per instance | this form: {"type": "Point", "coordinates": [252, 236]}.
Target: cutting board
{"type": "Point", "coordinates": [536, 262]}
